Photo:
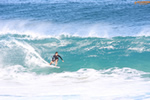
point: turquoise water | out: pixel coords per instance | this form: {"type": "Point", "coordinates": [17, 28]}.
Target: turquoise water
{"type": "Point", "coordinates": [90, 52]}
{"type": "Point", "coordinates": [105, 46]}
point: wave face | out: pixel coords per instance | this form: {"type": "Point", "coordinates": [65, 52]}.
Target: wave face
{"type": "Point", "coordinates": [105, 46]}
{"type": "Point", "coordinates": [97, 53]}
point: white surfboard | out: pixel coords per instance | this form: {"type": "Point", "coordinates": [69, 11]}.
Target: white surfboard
{"type": "Point", "coordinates": [52, 66]}
{"type": "Point", "coordinates": [48, 65]}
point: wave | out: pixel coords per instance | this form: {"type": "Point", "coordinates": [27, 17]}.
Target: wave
{"type": "Point", "coordinates": [50, 29]}
{"type": "Point", "coordinates": [113, 83]}
{"type": "Point", "coordinates": [107, 66]}
{"type": "Point", "coordinates": [97, 53]}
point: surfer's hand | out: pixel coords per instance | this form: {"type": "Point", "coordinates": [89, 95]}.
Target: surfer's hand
{"type": "Point", "coordinates": [62, 61]}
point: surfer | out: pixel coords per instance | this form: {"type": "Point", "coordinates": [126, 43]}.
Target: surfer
{"type": "Point", "coordinates": [56, 58]}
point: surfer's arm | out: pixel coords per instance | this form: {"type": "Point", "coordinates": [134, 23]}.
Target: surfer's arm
{"type": "Point", "coordinates": [60, 58]}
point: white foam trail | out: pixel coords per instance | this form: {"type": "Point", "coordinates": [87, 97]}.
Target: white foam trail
{"type": "Point", "coordinates": [113, 83]}
{"type": "Point", "coordinates": [32, 56]}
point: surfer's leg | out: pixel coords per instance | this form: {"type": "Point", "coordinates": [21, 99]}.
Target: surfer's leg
{"type": "Point", "coordinates": [56, 62]}
{"type": "Point", "coordinates": [51, 62]}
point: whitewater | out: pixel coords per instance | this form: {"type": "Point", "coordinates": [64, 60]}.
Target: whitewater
{"type": "Point", "coordinates": [105, 46]}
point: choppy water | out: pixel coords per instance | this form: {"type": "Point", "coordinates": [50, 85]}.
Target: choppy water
{"type": "Point", "coordinates": [105, 46]}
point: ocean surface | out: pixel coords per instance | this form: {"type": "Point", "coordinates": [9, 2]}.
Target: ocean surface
{"type": "Point", "coordinates": [105, 45]}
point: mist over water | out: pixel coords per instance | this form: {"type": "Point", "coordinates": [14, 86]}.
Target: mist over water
{"type": "Point", "coordinates": [105, 45]}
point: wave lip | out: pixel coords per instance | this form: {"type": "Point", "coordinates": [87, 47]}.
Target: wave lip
{"type": "Point", "coordinates": [49, 29]}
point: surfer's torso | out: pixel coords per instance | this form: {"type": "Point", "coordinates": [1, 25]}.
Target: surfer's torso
{"type": "Point", "coordinates": [56, 57]}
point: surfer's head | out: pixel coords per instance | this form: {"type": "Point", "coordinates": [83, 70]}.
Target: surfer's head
{"type": "Point", "coordinates": [56, 53]}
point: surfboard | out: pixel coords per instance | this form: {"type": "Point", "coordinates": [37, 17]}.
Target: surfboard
{"type": "Point", "coordinates": [48, 65]}
{"type": "Point", "coordinates": [52, 66]}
